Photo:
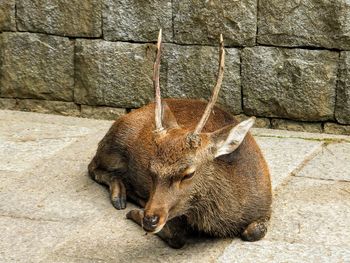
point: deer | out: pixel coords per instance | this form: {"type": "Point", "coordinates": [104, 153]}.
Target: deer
{"type": "Point", "coordinates": [190, 166]}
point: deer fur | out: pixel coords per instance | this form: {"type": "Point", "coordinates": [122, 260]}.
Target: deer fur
{"type": "Point", "coordinates": [213, 181]}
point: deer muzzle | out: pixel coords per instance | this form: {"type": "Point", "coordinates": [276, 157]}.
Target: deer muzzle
{"type": "Point", "coordinates": [150, 223]}
{"type": "Point", "coordinates": [153, 223]}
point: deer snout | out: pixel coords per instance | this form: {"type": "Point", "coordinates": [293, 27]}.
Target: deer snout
{"type": "Point", "coordinates": [150, 223]}
{"type": "Point", "coordinates": [153, 223]}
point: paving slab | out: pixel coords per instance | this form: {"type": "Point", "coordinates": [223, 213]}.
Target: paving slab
{"type": "Point", "coordinates": [286, 155]}
{"type": "Point", "coordinates": [28, 239]}
{"type": "Point", "coordinates": [57, 186]}
{"type": "Point", "coordinates": [309, 224]}
{"type": "Point", "coordinates": [54, 212]}
{"type": "Point", "coordinates": [333, 163]}
{"type": "Point", "coordinates": [113, 238]}
{"type": "Point", "coordinates": [283, 252]}
{"type": "Point", "coordinates": [20, 116]}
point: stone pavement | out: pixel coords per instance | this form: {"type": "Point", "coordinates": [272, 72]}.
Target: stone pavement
{"type": "Point", "coordinates": [51, 211]}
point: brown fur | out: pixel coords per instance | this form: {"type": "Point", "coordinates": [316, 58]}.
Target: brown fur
{"type": "Point", "coordinates": [226, 196]}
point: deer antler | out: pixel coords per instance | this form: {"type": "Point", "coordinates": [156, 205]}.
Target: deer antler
{"type": "Point", "coordinates": [156, 69]}
{"type": "Point", "coordinates": [216, 90]}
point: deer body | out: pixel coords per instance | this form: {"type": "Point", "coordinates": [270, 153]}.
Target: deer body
{"type": "Point", "coordinates": [228, 194]}
{"type": "Point", "coordinates": [208, 177]}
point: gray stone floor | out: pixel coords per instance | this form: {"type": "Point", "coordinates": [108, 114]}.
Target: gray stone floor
{"type": "Point", "coordinates": [50, 211]}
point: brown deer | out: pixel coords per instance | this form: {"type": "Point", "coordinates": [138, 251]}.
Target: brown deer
{"type": "Point", "coordinates": [190, 174]}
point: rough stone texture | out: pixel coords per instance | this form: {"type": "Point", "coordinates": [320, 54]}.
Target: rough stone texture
{"type": "Point", "coordinates": [289, 83]}
{"type": "Point", "coordinates": [136, 20]}
{"type": "Point", "coordinates": [334, 128]}
{"type": "Point", "coordinates": [75, 18]}
{"type": "Point", "coordinates": [342, 110]}
{"type": "Point", "coordinates": [44, 106]}
{"type": "Point", "coordinates": [36, 66]}
{"type": "Point", "coordinates": [113, 74]}
{"type": "Point", "coordinates": [190, 72]}
{"type": "Point", "coordinates": [7, 15]}
{"type": "Point", "coordinates": [259, 122]}
{"type": "Point", "coordinates": [104, 113]}
{"type": "Point", "coordinates": [8, 104]}
{"type": "Point", "coordinates": [201, 22]}
{"type": "Point", "coordinates": [296, 125]}
{"type": "Point", "coordinates": [308, 23]}
{"type": "Point", "coordinates": [326, 164]}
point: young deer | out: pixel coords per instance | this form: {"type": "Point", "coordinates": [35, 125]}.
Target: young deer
{"type": "Point", "coordinates": [208, 178]}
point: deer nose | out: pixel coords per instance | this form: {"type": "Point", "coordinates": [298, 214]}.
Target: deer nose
{"type": "Point", "coordinates": [150, 222]}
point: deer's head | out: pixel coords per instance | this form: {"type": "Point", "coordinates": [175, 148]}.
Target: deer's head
{"type": "Point", "coordinates": [181, 154]}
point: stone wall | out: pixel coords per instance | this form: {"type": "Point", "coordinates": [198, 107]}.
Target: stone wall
{"type": "Point", "coordinates": [288, 62]}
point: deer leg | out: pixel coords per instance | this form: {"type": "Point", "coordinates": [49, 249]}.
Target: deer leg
{"type": "Point", "coordinates": [255, 230]}
{"type": "Point", "coordinates": [116, 187]}
{"type": "Point", "coordinates": [117, 193]}
{"type": "Point", "coordinates": [174, 232]}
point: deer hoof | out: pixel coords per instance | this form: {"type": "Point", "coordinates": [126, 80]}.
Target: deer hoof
{"type": "Point", "coordinates": [176, 243]}
{"type": "Point", "coordinates": [255, 231]}
{"type": "Point", "coordinates": [119, 203]}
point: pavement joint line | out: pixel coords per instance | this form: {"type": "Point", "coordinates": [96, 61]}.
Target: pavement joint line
{"type": "Point", "coordinates": [83, 258]}
{"type": "Point", "coordinates": [32, 218]}
{"type": "Point", "coordinates": [51, 157]}
{"type": "Point", "coordinates": [326, 140]}
{"type": "Point", "coordinates": [300, 166]}
{"type": "Point", "coordinates": [323, 179]}
{"type": "Point", "coordinates": [46, 138]}
{"type": "Point", "coordinates": [307, 159]}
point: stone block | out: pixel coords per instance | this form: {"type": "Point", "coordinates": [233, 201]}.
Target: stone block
{"type": "Point", "coordinates": [201, 22]}
{"type": "Point", "coordinates": [104, 113]}
{"type": "Point", "coordinates": [342, 110]}
{"type": "Point", "coordinates": [44, 106]}
{"type": "Point", "coordinates": [36, 66]}
{"type": "Point", "coordinates": [75, 18]}
{"type": "Point", "coordinates": [289, 83]}
{"type": "Point", "coordinates": [190, 72]}
{"type": "Point", "coordinates": [8, 104]}
{"type": "Point", "coordinates": [296, 125]}
{"type": "Point", "coordinates": [113, 74]}
{"type": "Point", "coordinates": [334, 128]}
{"type": "Point", "coordinates": [305, 23]}
{"type": "Point", "coordinates": [259, 122]}
{"type": "Point", "coordinates": [7, 15]}
{"type": "Point", "coordinates": [133, 20]}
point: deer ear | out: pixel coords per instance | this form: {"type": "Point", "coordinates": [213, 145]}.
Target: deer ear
{"type": "Point", "coordinates": [228, 139]}
{"type": "Point", "coordinates": [168, 118]}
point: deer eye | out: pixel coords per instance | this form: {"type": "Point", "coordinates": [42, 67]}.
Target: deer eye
{"type": "Point", "coordinates": [187, 176]}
